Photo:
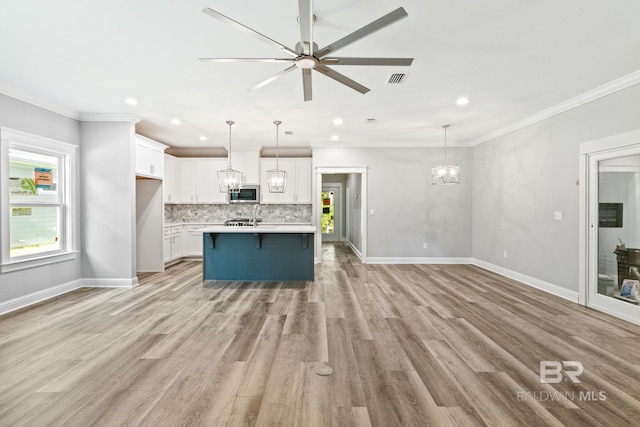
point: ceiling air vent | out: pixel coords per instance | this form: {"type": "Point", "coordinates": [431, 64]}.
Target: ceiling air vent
{"type": "Point", "coordinates": [397, 78]}
{"type": "Point", "coordinates": [369, 121]}
{"type": "Point", "coordinates": [288, 132]}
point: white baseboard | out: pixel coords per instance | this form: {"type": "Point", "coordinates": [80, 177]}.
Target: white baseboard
{"type": "Point", "coordinates": [36, 297]}
{"type": "Point", "coordinates": [110, 283]}
{"type": "Point", "coordinates": [355, 250]}
{"type": "Point", "coordinates": [528, 280]}
{"type": "Point", "coordinates": [417, 260]}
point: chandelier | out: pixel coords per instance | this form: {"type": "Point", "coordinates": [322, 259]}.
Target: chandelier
{"type": "Point", "coordinates": [229, 179]}
{"type": "Point", "coordinates": [445, 173]}
{"type": "Point", "coordinates": [276, 178]}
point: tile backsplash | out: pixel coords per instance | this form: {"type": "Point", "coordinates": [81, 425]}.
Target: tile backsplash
{"type": "Point", "coordinates": [221, 213]}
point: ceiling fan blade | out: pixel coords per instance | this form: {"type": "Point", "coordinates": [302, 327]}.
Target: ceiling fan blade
{"type": "Point", "coordinates": [379, 23]}
{"type": "Point", "coordinates": [367, 61]}
{"type": "Point", "coordinates": [246, 59]}
{"type": "Point", "coordinates": [245, 29]}
{"type": "Point", "coordinates": [274, 77]}
{"type": "Point", "coordinates": [305, 16]}
{"type": "Point", "coordinates": [341, 78]}
{"type": "Point", "coordinates": [306, 84]}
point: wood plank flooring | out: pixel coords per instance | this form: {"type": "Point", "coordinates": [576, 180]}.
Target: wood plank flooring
{"type": "Point", "coordinates": [409, 345]}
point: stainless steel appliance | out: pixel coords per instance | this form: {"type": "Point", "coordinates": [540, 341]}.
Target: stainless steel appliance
{"type": "Point", "coordinates": [249, 193]}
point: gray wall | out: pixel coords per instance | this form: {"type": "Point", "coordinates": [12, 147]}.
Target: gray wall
{"type": "Point", "coordinates": [408, 210]}
{"type": "Point", "coordinates": [108, 201]}
{"type": "Point", "coordinates": [520, 179]}
{"type": "Point", "coordinates": [25, 117]}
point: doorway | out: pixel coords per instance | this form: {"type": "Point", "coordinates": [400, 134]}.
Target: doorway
{"type": "Point", "coordinates": [331, 215]}
{"type": "Point", "coordinates": [351, 225]}
{"type": "Point", "coordinates": [610, 262]}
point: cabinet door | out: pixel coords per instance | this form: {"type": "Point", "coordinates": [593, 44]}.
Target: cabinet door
{"type": "Point", "coordinates": [194, 242]}
{"type": "Point", "coordinates": [170, 182]}
{"type": "Point", "coordinates": [217, 165]}
{"type": "Point", "coordinates": [149, 157]}
{"type": "Point", "coordinates": [166, 248]}
{"type": "Point", "coordinates": [176, 243]}
{"type": "Point", "coordinates": [303, 181]}
{"type": "Point", "coordinates": [143, 159]}
{"type": "Point", "coordinates": [187, 181]}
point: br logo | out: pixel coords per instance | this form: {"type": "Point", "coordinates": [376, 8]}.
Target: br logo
{"type": "Point", "coordinates": [551, 371]}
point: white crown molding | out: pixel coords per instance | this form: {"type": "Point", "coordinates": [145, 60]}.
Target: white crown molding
{"type": "Point", "coordinates": [604, 90]}
{"type": "Point", "coordinates": [41, 104]}
{"type": "Point", "coordinates": [108, 117]}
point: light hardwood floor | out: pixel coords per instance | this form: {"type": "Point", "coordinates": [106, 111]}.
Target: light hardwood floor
{"type": "Point", "coordinates": [409, 345]}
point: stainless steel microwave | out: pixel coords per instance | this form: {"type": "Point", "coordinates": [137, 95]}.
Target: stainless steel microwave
{"type": "Point", "coordinates": [247, 194]}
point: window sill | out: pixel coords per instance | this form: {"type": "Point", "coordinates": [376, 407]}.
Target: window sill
{"type": "Point", "coordinates": [37, 262]}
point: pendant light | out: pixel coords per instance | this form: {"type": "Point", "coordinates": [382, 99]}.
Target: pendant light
{"type": "Point", "coordinates": [445, 173]}
{"type": "Point", "coordinates": [276, 178]}
{"type": "Point", "coordinates": [229, 179]}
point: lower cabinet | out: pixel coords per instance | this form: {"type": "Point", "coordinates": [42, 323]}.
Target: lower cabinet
{"type": "Point", "coordinates": [194, 240]}
{"type": "Point", "coordinates": [173, 243]}
{"type": "Point", "coordinates": [182, 241]}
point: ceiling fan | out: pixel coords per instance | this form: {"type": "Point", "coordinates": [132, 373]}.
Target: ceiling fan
{"type": "Point", "coordinates": [307, 56]}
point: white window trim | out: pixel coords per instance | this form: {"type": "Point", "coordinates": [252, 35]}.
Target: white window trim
{"type": "Point", "coordinates": [27, 141]}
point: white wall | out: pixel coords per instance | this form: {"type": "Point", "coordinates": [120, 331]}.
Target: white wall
{"type": "Point", "coordinates": [26, 117]}
{"type": "Point", "coordinates": [108, 203]}
{"type": "Point", "coordinates": [408, 210]}
{"type": "Point", "coordinates": [522, 178]}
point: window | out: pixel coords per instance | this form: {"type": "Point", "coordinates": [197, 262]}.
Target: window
{"type": "Point", "coordinates": [37, 200]}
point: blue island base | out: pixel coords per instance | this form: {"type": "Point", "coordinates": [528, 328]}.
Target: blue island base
{"type": "Point", "coordinates": [257, 257]}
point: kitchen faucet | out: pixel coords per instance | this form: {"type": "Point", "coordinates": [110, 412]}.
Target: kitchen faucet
{"type": "Point", "coordinates": [256, 209]}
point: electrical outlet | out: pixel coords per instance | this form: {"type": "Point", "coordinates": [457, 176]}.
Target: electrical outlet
{"type": "Point", "coordinates": [425, 245]}
{"type": "Point", "coordinates": [504, 254]}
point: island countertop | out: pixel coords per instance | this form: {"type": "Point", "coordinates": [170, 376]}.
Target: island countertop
{"type": "Point", "coordinates": [262, 228]}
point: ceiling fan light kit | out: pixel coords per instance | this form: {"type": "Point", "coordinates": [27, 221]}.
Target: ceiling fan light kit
{"type": "Point", "coordinates": [307, 57]}
{"type": "Point", "coordinates": [229, 179]}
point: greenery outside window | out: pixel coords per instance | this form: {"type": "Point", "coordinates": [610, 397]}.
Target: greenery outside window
{"type": "Point", "coordinates": [37, 200]}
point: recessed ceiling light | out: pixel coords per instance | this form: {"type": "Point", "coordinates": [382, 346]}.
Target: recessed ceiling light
{"type": "Point", "coordinates": [175, 122]}
{"type": "Point", "coordinates": [463, 100]}
{"type": "Point", "coordinates": [334, 138]}
{"type": "Point", "coordinates": [131, 101]}
{"type": "Point", "coordinates": [337, 121]}
{"type": "Point", "coordinates": [203, 138]}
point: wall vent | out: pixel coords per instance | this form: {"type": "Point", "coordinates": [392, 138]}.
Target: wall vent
{"type": "Point", "coordinates": [288, 132]}
{"type": "Point", "coordinates": [369, 121]}
{"type": "Point", "coordinates": [397, 78]}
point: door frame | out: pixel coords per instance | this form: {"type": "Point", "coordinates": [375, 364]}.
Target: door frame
{"type": "Point", "coordinates": [591, 153]}
{"type": "Point", "coordinates": [317, 190]}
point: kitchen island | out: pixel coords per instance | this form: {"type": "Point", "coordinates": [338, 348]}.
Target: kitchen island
{"type": "Point", "coordinates": [272, 253]}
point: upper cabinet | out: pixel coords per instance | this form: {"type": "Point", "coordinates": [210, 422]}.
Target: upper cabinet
{"type": "Point", "coordinates": [247, 162]}
{"type": "Point", "coordinates": [199, 180]}
{"type": "Point", "coordinates": [149, 157]}
{"type": "Point", "coordinates": [171, 182]}
{"type": "Point", "coordinates": [298, 189]}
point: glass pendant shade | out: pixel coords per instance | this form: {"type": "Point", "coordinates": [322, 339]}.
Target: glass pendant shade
{"type": "Point", "coordinates": [445, 173]}
{"type": "Point", "coordinates": [229, 179]}
{"type": "Point", "coordinates": [277, 178]}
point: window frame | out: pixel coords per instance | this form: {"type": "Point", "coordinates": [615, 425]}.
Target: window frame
{"type": "Point", "coordinates": [67, 190]}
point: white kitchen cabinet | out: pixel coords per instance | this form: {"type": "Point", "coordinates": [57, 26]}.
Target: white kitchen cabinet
{"type": "Point", "coordinates": [247, 162]}
{"type": "Point", "coordinates": [298, 189]}
{"type": "Point", "coordinates": [149, 157]}
{"type": "Point", "coordinates": [194, 240]}
{"type": "Point", "coordinates": [197, 180]}
{"type": "Point", "coordinates": [171, 181]}
{"type": "Point", "coordinates": [173, 243]}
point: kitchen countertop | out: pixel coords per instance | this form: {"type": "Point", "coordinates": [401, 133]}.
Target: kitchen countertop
{"type": "Point", "coordinates": [262, 228]}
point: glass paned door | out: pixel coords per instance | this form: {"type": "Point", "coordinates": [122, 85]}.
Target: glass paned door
{"type": "Point", "coordinates": [618, 225]}
{"type": "Point", "coordinates": [328, 214]}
